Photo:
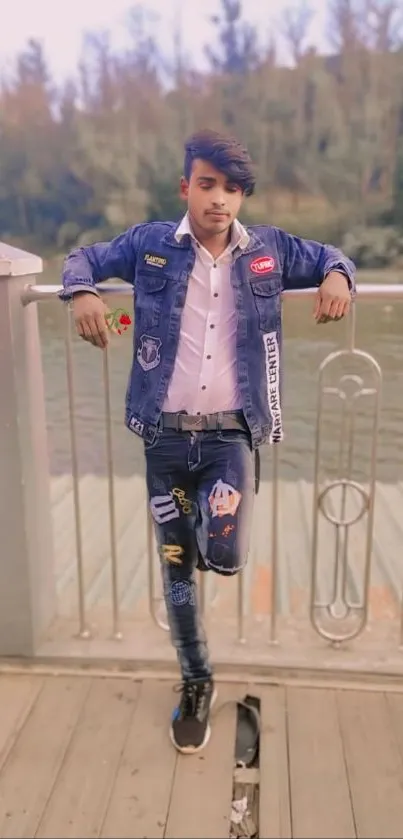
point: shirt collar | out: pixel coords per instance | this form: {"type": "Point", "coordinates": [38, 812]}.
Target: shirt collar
{"type": "Point", "coordinates": [239, 235]}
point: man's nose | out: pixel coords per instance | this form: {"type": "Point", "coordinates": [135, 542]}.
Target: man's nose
{"type": "Point", "coordinates": [219, 200]}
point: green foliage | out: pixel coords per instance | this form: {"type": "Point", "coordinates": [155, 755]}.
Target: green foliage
{"type": "Point", "coordinates": [83, 161]}
{"type": "Point", "coordinates": [374, 247]}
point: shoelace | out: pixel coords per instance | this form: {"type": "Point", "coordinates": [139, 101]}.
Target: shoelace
{"type": "Point", "coordinates": [192, 702]}
{"type": "Point", "coordinates": [193, 698]}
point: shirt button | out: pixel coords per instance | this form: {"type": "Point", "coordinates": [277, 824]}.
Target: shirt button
{"type": "Point", "coordinates": [215, 294]}
{"type": "Point", "coordinates": [203, 387]}
{"type": "Point", "coordinates": [212, 325]}
{"type": "Point", "coordinates": [208, 356]}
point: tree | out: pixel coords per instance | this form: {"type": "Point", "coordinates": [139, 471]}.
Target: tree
{"type": "Point", "coordinates": [105, 149]}
{"type": "Point", "coordinates": [295, 28]}
{"type": "Point", "coordinates": [238, 51]}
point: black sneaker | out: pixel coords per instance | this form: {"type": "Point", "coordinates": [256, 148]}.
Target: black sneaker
{"type": "Point", "coordinates": [190, 727]}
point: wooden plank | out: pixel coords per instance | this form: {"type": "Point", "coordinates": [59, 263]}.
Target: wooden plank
{"type": "Point", "coordinates": [28, 775]}
{"type": "Point", "coordinates": [140, 798]}
{"type": "Point", "coordinates": [320, 795]}
{"type": "Point", "coordinates": [131, 531]}
{"type": "Point", "coordinates": [78, 802]}
{"type": "Point", "coordinates": [130, 506]}
{"type": "Point", "coordinates": [325, 546]}
{"type": "Point", "coordinates": [295, 541]}
{"type": "Point", "coordinates": [202, 791]}
{"type": "Point", "coordinates": [95, 534]}
{"type": "Point", "coordinates": [17, 696]}
{"type": "Point", "coordinates": [261, 528]}
{"type": "Point", "coordinates": [374, 764]}
{"type": "Point", "coordinates": [60, 485]}
{"type": "Point", "coordinates": [394, 702]}
{"type": "Point", "coordinates": [274, 797]}
{"type": "Point", "coordinates": [388, 534]}
{"type": "Point", "coordinates": [64, 529]}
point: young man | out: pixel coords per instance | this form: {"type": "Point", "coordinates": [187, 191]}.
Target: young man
{"type": "Point", "coordinates": [204, 388]}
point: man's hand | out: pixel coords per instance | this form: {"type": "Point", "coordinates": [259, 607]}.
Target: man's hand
{"type": "Point", "coordinates": [89, 316]}
{"type": "Point", "coordinates": [333, 299]}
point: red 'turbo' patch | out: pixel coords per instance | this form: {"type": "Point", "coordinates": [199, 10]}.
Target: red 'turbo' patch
{"type": "Point", "coordinates": [262, 265]}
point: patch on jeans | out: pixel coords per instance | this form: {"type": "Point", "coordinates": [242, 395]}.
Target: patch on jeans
{"type": "Point", "coordinates": [163, 508]}
{"type": "Point", "coordinates": [172, 554]}
{"type": "Point", "coordinates": [224, 499]}
{"type": "Point", "coordinates": [183, 501]}
{"type": "Point", "coordinates": [148, 353]}
{"type": "Point", "coordinates": [181, 592]}
{"type": "Point", "coordinates": [220, 552]}
{"type": "Point", "coordinates": [272, 361]}
{"type": "Point", "coordinates": [222, 560]}
{"type": "Point", "coordinates": [227, 530]}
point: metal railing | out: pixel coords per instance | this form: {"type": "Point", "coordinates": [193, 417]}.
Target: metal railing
{"type": "Point", "coordinates": [338, 608]}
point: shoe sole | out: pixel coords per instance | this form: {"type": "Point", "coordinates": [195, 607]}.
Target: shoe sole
{"type": "Point", "coordinates": [192, 750]}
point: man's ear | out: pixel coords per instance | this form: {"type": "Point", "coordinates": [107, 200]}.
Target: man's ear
{"type": "Point", "coordinates": [184, 188]}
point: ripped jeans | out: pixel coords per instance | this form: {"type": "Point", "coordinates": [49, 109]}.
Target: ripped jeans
{"type": "Point", "coordinates": [201, 493]}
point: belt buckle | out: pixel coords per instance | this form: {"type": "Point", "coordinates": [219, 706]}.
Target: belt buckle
{"type": "Point", "coordinates": [189, 422]}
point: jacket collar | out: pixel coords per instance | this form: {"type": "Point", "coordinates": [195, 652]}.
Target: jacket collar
{"type": "Point", "coordinates": [180, 236]}
{"type": "Point", "coordinates": [239, 235]}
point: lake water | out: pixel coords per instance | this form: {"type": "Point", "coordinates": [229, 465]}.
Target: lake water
{"type": "Point", "coordinates": [379, 332]}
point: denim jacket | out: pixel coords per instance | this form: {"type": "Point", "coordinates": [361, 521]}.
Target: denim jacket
{"type": "Point", "coordinates": [149, 257]}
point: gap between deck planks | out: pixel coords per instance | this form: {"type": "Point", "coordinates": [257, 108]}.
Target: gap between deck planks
{"type": "Point", "coordinates": [83, 757]}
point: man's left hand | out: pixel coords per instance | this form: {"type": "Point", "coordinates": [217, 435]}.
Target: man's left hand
{"type": "Point", "coordinates": [333, 299]}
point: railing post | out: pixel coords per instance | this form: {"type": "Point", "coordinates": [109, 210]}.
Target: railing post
{"type": "Point", "coordinates": [27, 579]}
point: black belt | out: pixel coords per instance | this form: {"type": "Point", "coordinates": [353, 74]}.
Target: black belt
{"type": "Point", "coordinates": [225, 421]}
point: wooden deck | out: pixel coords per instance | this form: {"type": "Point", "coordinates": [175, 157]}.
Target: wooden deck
{"type": "Point", "coordinates": [85, 756]}
{"type": "Point", "coordinates": [142, 639]}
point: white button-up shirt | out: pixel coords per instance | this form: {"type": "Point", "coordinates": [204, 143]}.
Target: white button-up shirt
{"type": "Point", "coordinates": [204, 380]}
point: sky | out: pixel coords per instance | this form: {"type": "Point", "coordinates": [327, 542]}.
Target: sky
{"type": "Point", "coordinates": [60, 26]}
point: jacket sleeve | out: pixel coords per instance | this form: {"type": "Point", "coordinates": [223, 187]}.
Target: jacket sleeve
{"type": "Point", "coordinates": [84, 267]}
{"type": "Point", "coordinates": [306, 263]}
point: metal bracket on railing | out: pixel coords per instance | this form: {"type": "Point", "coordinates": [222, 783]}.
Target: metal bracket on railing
{"type": "Point", "coordinates": [340, 618]}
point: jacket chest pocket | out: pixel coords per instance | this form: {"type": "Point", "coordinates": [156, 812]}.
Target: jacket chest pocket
{"type": "Point", "coordinates": [267, 300]}
{"type": "Point", "coordinates": [151, 291]}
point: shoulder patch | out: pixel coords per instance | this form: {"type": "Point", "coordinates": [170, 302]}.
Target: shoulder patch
{"type": "Point", "coordinates": [155, 260]}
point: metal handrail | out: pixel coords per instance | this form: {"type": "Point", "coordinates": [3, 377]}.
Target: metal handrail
{"type": "Point", "coordinates": [365, 291]}
{"type": "Point", "coordinates": [320, 613]}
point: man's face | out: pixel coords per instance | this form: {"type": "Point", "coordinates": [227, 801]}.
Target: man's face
{"type": "Point", "coordinates": [213, 201]}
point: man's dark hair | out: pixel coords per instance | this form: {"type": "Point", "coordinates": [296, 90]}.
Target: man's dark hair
{"type": "Point", "coordinates": [224, 153]}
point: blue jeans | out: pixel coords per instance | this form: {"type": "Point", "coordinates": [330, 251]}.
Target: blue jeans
{"type": "Point", "coordinates": [201, 493]}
